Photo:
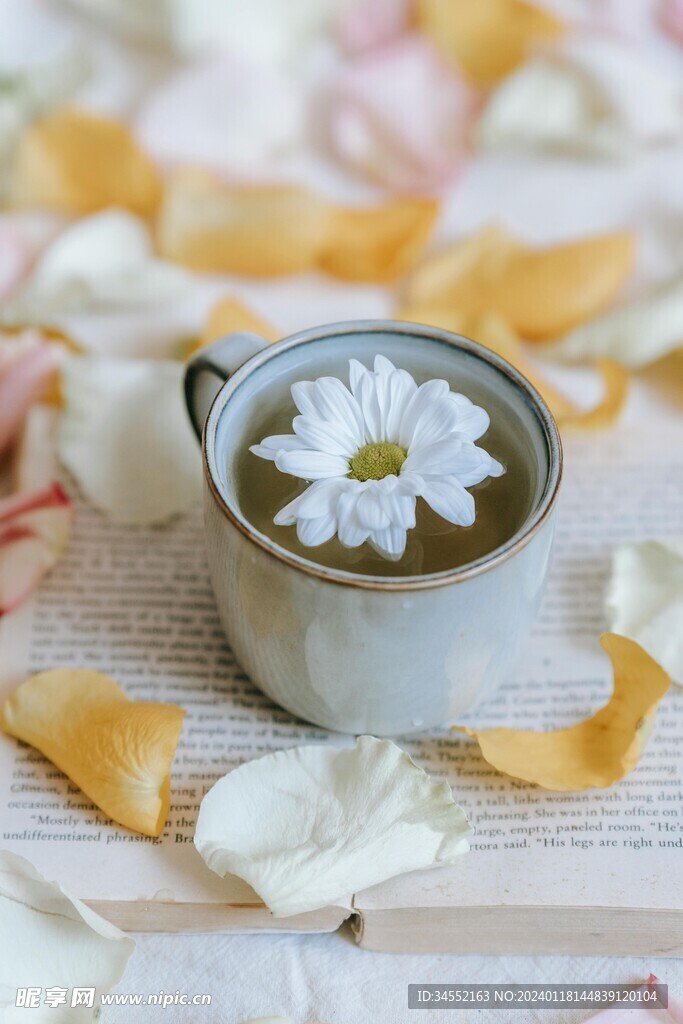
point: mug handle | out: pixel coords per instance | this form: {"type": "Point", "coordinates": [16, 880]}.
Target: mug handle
{"type": "Point", "coordinates": [208, 370]}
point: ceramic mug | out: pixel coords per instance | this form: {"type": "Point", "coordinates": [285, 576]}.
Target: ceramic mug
{"type": "Point", "coordinates": [353, 653]}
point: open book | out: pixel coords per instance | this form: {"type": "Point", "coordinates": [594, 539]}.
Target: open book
{"type": "Point", "coordinates": [593, 872]}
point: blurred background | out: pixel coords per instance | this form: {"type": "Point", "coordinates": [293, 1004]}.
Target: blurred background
{"type": "Point", "coordinates": [301, 162]}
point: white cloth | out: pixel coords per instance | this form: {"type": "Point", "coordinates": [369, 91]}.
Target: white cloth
{"type": "Point", "coordinates": [329, 978]}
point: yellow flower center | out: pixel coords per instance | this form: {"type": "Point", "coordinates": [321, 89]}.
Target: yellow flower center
{"type": "Point", "coordinates": [375, 461]}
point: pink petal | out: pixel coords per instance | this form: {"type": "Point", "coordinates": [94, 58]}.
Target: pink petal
{"type": "Point", "coordinates": [645, 1014]}
{"type": "Point", "coordinates": [34, 530]}
{"type": "Point", "coordinates": [670, 14]}
{"type": "Point", "coordinates": [401, 116]}
{"type": "Point", "coordinates": [15, 259]}
{"type": "Point", "coordinates": [26, 365]}
{"type": "Point", "coordinates": [365, 24]}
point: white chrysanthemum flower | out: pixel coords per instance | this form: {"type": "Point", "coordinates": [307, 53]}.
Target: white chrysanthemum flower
{"type": "Point", "coordinates": [371, 451]}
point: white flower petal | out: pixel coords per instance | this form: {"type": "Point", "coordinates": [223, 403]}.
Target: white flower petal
{"type": "Point", "coordinates": [356, 371]}
{"type": "Point", "coordinates": [320, 499]}
{"type": "Point", "coordinates": [370, 409]}
{"type": "Point", "coordinates": [49, 938]}
{"type": "Point", "coordinates": [350, 530]}
{"type": "Point", "coordinates": [427, 393]}
{"type": "Point", "coordinates": [311, 825]}
{"type": "Point", "coordinates": [332, 438]}
{"type": "Point", "coordinates": [311, 465]}
{"type": "Point", "coordinates": [270, 446]}
{"type": "Point", "coordinates": [369, 510]}
{"type": "Point", "coordinates": [472, 419]}
{"type": "Point", "coordinates": [125, 435]}
{"type": "Point", "coordinates": [317, 500]}
{"type": "Point", "coordinates": [644, 599]}
{"type": "Point", "coordinates": [303, 393]}
{"type": "Point", "coordinates": [445, 458]}
{"type": "Point", "coordinates": [437, 421]}
{"type": "Point", "coordinates": [335, 404]}
{"type": "Point", "coordinates": [383, 366]}
{"type": "Point", "coordinates": [312, 532]}
{"type": "Point", "coordinates": [450, 500]}
{"type": "Point", "coordinates": [390, 543]}
{"type": "Point", "coordinates": [402, 387]}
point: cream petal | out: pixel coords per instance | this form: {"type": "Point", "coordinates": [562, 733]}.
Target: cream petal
{"type": "Point", "coordinates": [591, 94]}
{"type": "Point", "coordinates": [311, 825]}
{"type": "Point", "coordinates": [49, 938]}
{"type": "Point", "coordinates": [635, 334]}
{"type": "Point", "coordinates": [126, 437]}
{"type": "Point", "coordinates": [427, 393]}
{"type": "Point", "coordinates": [450, 500]}
{"type": "Point", "coordinates": [104, 262]}
{"type": "Point", "coordinates": [228, 114]}
{"type": "Point", "coordinates": [332, 438]}
{"type": "Point", "coordinates": [311, 465]}
{"type": "Point", "coordinates": [644, 599]}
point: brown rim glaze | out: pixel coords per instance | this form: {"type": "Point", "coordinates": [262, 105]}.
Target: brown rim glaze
{"type": "Point", "coordinates": [532, 526]}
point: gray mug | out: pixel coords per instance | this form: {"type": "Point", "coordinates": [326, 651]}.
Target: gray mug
{"type": "Point", "coordinates": [354, 653]}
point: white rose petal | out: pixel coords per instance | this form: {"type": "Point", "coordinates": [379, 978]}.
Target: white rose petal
{"type": "Point", "coordinates": [226, 114]}
{"type": "Point", "coordinates": [49, 938]}
{"type": "Point", "coordinates": [311, 825]}
{"type": "Point", "coordinates": [126, 437]}
{"type": "Point", "coordinates": [269, 30]}
{"type": "Point", "coordinates": [100, 283]}
{"type": "Point", "coordinates": [635, 334]}
{"type": "Point", "coordinates": [591, 94]}
{"type": "Point", "coordinates": [645, 599]}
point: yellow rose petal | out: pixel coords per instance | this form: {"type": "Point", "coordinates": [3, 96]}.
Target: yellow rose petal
{"type": "Point", "coordinates": [542, 293]}
{"type": "Point", "coordinates": [118, 751]}
{"type": "Point", "coordinates": [494, 333]}
{"type": "Point", "coordinates": [597, 752]}
{"type": "Point", "coordinates": [487, 39]}
{"type": "Point", "coordinates": [78, 163]}
{"type": "Point", "coordinates": [260, 231]}
{"type": "Point", "coordinates": [285, 229]}
{"type": "Point", "coordinates": [378, 244]}
{"type": "Point", "coordinates": [227, 317]}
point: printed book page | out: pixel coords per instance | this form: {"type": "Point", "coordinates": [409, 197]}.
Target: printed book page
{"type": "Point", "coordinates": [619, 847]}
{"type": "Point", "coordinates": [137, 604]}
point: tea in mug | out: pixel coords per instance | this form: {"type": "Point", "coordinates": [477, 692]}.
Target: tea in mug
{"type": "Point", "coordinates": [434, 545]}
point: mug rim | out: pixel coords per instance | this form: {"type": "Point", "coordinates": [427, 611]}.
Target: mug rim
{"type": "Point", "coordinates": [529, 529]}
